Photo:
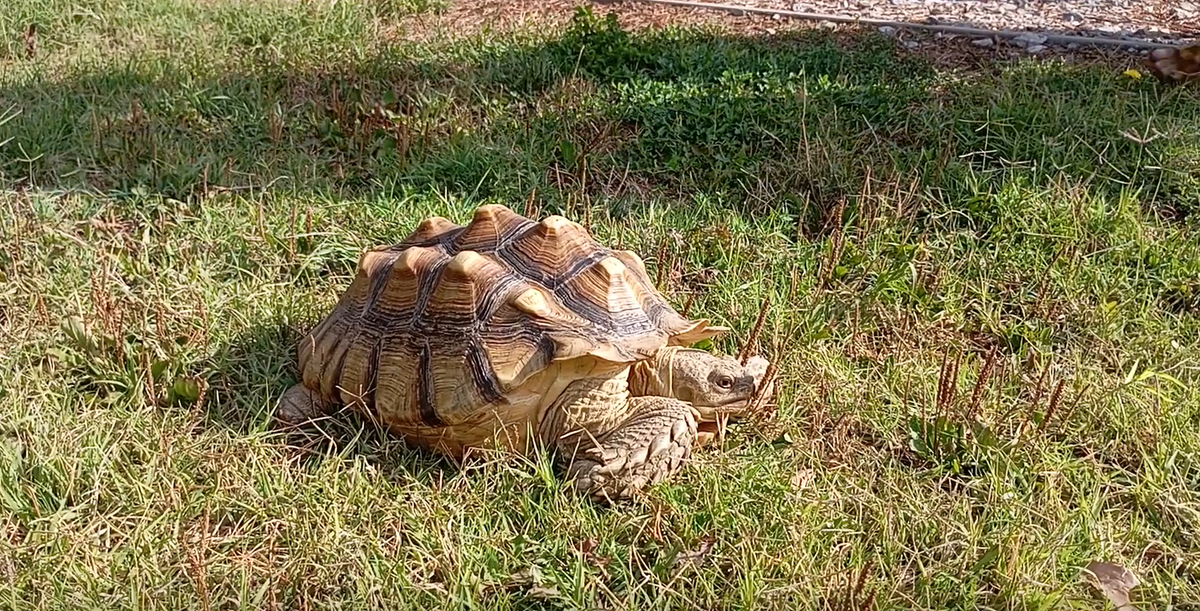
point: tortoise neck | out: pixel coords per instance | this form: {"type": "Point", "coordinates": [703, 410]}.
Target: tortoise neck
{"type": "Point", "coordinates": [655, 375]}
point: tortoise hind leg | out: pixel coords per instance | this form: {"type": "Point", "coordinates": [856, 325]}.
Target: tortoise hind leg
{"type": "Point", "coordinates": [645, 449]}
{"type": "Point", "coordinates": [298, 406]}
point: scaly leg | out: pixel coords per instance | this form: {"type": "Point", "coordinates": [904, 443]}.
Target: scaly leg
{"type": "Point", "coordinates": [300, 405]}
{"type": "Point", "coordinates": [645, 449]}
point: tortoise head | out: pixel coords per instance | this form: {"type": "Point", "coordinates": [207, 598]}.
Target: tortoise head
{"type": "Point", "coordinates": [715, 385]}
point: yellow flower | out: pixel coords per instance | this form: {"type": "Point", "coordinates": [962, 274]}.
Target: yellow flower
{"type": "Point", "coordinates": [1131, 73]}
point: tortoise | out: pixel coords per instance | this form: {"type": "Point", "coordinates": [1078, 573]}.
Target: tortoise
{"type": "Point", "coordinates": [1175, 64]}
{"type": "Point", "coordinates": [507, 333]}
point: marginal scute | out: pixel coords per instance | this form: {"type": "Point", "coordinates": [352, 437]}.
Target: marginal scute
{"type": "Point", "coordinates": [695, 331]}
{"type": "Point", "coordinates": [395, 388]}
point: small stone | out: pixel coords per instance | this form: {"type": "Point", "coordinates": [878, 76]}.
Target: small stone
{"type": "Point", "coordinates": [1025, 40]}
{"type": "Point", "coordinates": [887, 30]}
{"type": "Point", "coordinates": [983, 42]}
{"type": "Point", "coordinates": [1035, 48]}
{"type": "Point", "coordinates": [911, 44]}
{"type": "Point", "coordinates": [1071, 17]}
{"type": "Point", "coordinates": [1073, 46]}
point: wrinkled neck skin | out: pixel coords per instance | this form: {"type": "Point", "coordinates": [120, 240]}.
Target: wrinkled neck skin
{"type": "Point", "coordinates": [653, 376]}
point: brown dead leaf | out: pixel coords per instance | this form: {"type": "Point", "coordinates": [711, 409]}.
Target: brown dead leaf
{"type": "Point", "coordinates": [532, 582]}
{"type": "Point", "coordinates": [1114, 582]}
{"type": "Point", "coordinates": [587, 546]}
{"type": "Point", "coordinates": [693, 558]}
{"type": "Point", "coordinates": [802, 479]}
{"type": "Point", "coordinates": [543, 593]}
{"type": "Point", "coordinates": [30, 40]}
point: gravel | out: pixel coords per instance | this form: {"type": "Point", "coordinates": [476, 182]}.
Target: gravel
{"type": "Point", "coordinates": [1163, 21]}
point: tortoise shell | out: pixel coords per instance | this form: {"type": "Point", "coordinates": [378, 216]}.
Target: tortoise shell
{"type": "Point", "coordinates": [449, 322]}
{"type": "Point", "coordinates": [1175, 65]}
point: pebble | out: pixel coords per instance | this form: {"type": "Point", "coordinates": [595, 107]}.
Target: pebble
{"type": "Point", "coordinates": [887, 30]}
{"type": "Point", "coordinates": [1029, 40]}
{"type": "Point", "coordinates": [776, 16]}
{"type": "Point", "coordinates": [1035, 48]}
{"type": "Point", "coordinates": [911, 44]}
{"type": "Point", "coordinates": [983, 42]}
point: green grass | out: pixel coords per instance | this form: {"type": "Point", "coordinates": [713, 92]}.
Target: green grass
{"type": "Point", "coordinates": [187, 185]}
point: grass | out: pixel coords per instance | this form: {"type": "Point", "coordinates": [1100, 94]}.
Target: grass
{"type": "Point", "coordinates": [984, 289]}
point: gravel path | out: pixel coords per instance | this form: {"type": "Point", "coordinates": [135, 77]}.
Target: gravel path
{"type": "Point", "coordinates": [1165, 21]}
{"type": "Point", "coordinates": [1170, 22]}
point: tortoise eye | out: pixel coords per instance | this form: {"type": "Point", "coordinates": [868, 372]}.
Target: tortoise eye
{"type": "Point", "coordinates": [725, 383]}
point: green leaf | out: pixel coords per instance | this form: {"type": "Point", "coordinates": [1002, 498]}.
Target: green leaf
{"type": "Point", "coordinates": [158, 368]}
{"type": "Point", "coordinates": [77, 333]}
{"type": "Point", "coordinates": [186, 389]}
{"type": "Point", "coordinates": [566, 149]}
{"type": "Point", "coordinates": [986, 560]}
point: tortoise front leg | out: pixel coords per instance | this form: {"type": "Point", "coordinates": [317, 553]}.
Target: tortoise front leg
{"type": "Point", "coordinates": [648, 447]}
{"type": "Point", "coordinates": [299, 405]}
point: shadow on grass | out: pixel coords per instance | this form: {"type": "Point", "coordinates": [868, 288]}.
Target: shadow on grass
{"type": "Point", "coordinates": [800, 118]}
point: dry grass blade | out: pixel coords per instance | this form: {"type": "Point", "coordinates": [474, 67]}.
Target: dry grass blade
{"type": "Point", "coordinates": [30, 40]}
{"type": "Point", "coordinates": [691, 558]}
{"type": "Point", "coordinates": [980, 384]}
{"type": "Point", "coordinates": [1055, 398]}
{"type": "Point", "coordinates": [947, 383]}
{"type": "Point", "coordinates": [663, 265]}
{"type": "Point", "coordinates": [749, 348]}
{"type": "Point", "coordinates": [687, 306]}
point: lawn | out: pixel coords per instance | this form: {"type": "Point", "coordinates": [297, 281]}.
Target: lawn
{"type": "Point", "coordinates": [983, 291]}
